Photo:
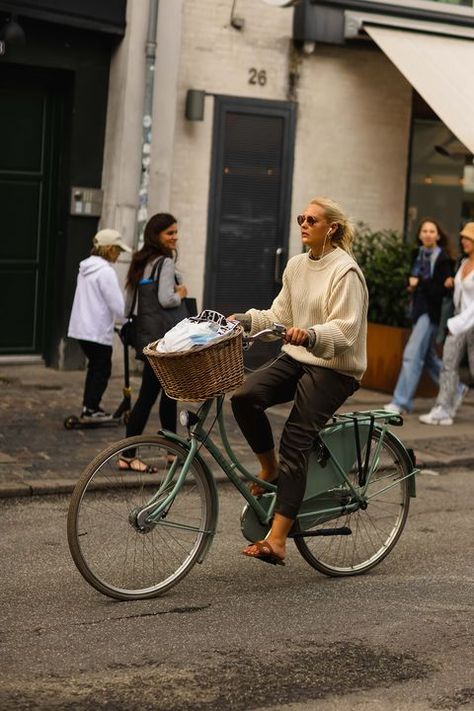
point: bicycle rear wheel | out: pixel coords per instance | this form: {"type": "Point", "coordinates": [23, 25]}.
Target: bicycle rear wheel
{"type": "Point", "coordinates": [374, 531]}
{"type": "Point", "coordinates": [113, 550]}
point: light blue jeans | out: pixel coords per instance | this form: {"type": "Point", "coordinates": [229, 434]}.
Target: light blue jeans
{"type": "Point", "coordinates": [419, 353]}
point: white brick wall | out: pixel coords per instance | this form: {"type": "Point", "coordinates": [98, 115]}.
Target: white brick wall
{"type": "Point", "coordinates": [217, 58]}
{"type": "Point", "coordinates": [353, 118]}
{"type": "Point", "coordinates": [352, 128]}
{"type": "Point", "coordinates": [353, 134]}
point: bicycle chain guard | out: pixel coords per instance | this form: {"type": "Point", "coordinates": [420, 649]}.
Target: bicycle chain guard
{"type": "Point", "coordinates": [250, 525]}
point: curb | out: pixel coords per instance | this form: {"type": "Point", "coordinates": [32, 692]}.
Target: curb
{"type": "Point", "coordinates": [51, 487]}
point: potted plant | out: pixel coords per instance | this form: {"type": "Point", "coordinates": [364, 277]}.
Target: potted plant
{"type": "Point", "coordinates": [385, 259]}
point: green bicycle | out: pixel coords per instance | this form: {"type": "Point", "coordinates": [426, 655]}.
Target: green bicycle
{"type": "Point", "coordinates": [135, 535]}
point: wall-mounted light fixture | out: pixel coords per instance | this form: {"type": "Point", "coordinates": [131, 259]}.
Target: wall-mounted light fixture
{"type": "Point", "coordinates": [195, 104]}
{"type": "Point", "coordinates": [12, 33]}
{"type": "Point", "coordinates": [236, 21]}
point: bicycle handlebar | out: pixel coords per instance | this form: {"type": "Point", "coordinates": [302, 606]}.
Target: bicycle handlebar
{"type": "Point", "coordinates": [277, 330]}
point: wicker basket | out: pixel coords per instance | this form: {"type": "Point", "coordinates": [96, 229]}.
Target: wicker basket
{"type": "Point", "coordinates": [201, 373]}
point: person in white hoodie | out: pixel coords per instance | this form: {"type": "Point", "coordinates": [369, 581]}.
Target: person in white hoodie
{"type": "Point", "coordinates": [98, 303]}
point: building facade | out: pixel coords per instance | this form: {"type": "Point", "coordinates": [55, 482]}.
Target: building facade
{"type": "Point", "coordinates": [256, 109]}
{"type": "Point", "coordinates": [54, 79]}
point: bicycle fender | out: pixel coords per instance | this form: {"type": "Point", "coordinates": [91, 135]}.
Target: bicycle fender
{"type": "Point", "coordinates": [409, 456]}
{"type": "Point", "coordinates": [212, 487]}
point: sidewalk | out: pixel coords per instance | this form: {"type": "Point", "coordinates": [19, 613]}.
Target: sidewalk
{"type": "Point", "coordinates": [39, 456]}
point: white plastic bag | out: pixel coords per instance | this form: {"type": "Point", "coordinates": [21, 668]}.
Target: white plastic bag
{"type": "Point", "coordinates": [207, 327]}
{"type": "Point", "coordinates": [186, 334]}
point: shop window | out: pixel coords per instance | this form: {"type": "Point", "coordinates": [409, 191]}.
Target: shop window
{"type": "Point", "coordinates": [441, 175]}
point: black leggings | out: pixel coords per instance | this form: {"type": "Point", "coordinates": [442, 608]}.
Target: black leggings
{"type": "Point", "coordinates": [149, 391]}
{"type": "Point", "coordinates": [99, 368]}
{"type": "Point", "coordinates": [317, 394]}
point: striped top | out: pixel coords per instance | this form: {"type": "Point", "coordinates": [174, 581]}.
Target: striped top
{"type": "Point", "coordinates": [330, 296]}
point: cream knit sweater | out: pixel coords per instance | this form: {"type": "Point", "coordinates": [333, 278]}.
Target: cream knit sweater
{"type": "Point", "coordinates": [330, 296]}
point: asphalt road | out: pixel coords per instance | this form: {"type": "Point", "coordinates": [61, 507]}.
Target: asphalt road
{"type": "Point", "coordinates": [238, 634]}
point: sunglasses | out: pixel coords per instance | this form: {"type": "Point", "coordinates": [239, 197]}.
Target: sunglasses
{"type": "Point", "coordinates": [300, 219]}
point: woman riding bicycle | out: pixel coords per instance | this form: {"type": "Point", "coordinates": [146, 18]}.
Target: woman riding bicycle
{"type": "Point", "coordinates": [323, 304]}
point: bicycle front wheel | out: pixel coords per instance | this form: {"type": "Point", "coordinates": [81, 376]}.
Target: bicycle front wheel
{"type": "Point", "coordinates": [117, 546]}
{"type": "Point", "coordinates": [368, 535]}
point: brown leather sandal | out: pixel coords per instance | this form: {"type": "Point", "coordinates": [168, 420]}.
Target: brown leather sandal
{"type": "Point", "coordinates": [264, 552]}
{"type": "Point", "coordinates": [141, 468]}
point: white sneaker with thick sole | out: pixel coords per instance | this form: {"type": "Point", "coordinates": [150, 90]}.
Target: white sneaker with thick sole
{"type": "Point", "coordinates": [392, 407]}
{"type": "Point", "coordinates": [437, 416]}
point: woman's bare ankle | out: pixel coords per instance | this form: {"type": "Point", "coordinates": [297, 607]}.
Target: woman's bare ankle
{"type": "Point", "coordinates": [278, 545]}
{"type": "Point", "coordinates": [267, 475]}
{"type": "Point", "coordinates": [268, 465]}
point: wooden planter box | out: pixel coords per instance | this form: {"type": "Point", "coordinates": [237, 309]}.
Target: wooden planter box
{"type": "Point", "coordinates": [385, 346]}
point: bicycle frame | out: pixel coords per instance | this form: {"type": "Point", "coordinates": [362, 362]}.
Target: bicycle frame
{"type": "Point", "coordinates": [342, 443]}
{"type": "Point", "coordinates": [197, 438]}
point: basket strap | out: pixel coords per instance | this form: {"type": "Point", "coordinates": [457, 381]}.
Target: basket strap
{"type": "Point", "coordinates": [157, 267]}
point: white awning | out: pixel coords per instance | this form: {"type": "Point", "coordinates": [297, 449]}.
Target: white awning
{"type": "Point", "coordinates": [440, 68]}
{"type": "Point", "coordinates": [356, 23]}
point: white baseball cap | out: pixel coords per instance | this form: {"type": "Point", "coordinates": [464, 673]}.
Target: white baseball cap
{"type": "Point", "coordinates": [110, 238]}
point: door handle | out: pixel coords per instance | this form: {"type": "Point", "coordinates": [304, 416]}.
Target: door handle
{"type": "Point", "coordinates": [279, 252]}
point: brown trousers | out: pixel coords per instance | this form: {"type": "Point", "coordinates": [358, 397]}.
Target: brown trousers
{"type": "Point", "coordinates": [317, 394]}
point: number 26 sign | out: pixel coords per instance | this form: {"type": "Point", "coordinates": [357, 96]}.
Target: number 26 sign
{"type": "Point", "coordinates": [257, 76]}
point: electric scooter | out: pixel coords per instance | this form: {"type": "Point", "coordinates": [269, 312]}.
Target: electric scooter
{"type": "Point", "coordinates": [121, 414]}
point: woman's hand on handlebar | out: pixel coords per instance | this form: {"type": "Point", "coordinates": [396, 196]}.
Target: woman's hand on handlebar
{"type": "Point", "coordinates": [296, 336]}
{"type": "Point", "coordinates": [181, 290]}
{"type": "Point", "coordinates": [245, 320]}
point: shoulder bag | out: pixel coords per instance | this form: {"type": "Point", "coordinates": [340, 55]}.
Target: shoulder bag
{"type": "Point", "coordinates": [152, 320]}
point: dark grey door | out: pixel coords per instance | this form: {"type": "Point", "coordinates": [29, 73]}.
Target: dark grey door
{"type": "Point", "coordinates": [249, 202]}
{"type": "Point", "coordinates": [30, 117]}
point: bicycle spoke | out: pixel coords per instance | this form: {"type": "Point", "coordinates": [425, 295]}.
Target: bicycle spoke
{"type": "Point", "coordinates": [120, 556]}
{"type": "Point", "coordinates": [373, 530]}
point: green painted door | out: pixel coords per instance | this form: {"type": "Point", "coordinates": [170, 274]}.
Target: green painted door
{"type": "Point", "coordinates": [29, 110]}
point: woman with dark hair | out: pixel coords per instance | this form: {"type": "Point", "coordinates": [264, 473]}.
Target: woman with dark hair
{"type": "Point", "coordinates": [160, 238]}
{"type": "Point", "coordinates": [431, 269]}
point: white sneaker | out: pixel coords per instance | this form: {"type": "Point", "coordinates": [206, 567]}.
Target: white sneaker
{"type": "Point", "coordinates": [437, 416]}
{"type": "Point", "coordinates": [392, 407]}
{"type": "Point", "coordinates": [460, 395]}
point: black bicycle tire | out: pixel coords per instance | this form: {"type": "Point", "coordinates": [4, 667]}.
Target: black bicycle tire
{"type": "Point", "coordinates": [78, 493]}
{"type": "Point", "coordinates": [405, 463]}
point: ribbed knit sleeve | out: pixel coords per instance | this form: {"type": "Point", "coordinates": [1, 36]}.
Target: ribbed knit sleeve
{"type": "Point", "coordinates": [345, 313]}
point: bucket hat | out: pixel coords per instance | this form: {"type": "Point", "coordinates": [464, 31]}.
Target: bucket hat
{"type": "Point", "coordinates": [468, 231]}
